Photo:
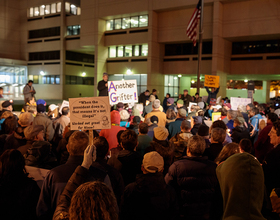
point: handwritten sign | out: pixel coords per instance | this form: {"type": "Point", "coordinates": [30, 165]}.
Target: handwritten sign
{"type": "Point", "coordinates": [64, 104]}
{"type": "Point", "coordinates": [90, 113]}
{"type": "Point", "coordinates": [122, 91]}
{"type": "Point", "coordinates": [212, 81]}
{"type": "Point", "coordinates": [216, 116]}
{"type": "Point", "coordinates": [235, 102]}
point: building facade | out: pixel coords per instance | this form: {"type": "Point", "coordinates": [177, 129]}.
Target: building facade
{"type": "Point", "coordinates": [65, 46]}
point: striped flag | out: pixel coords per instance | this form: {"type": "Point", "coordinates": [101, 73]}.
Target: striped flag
{"type": "Point", "coordinates": [193, 23]}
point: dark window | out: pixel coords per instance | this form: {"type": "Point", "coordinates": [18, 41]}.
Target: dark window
{"type": "Point", "coordinates": [254, 47]}
{"type": "Point", "coordinates": [47, 55]}
{"type": "Point", "coordinates": [73, 30]}
{"type": "Point", "coordinates": [187, 49]}
{"type": "Point", "coordinates": [79, 80]}
{"type": "Point", "coordinates": [80, 57]}
{"type": "Point", "coordinates": [46, 32]}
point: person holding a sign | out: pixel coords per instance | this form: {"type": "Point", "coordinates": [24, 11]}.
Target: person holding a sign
{"type": "Point", "coordinates": [103, 85]}
{"type": "Point", "coordinates": [212, 95]}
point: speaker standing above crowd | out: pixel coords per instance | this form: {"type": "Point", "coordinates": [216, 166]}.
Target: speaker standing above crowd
{"type": "Point", "coordinates": [159, 160]}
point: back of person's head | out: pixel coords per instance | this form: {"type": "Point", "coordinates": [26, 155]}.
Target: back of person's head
{"type": "Point", "coordinates": [7, 114]}
{"type": "Point", "coordinates": [223, 112]}
{"type": "Point", "coordinates": [219, 124]}
{"type": "Point", "coordinates": [136, 120]}
{"type": "Point", "coordinates": [185, 125]}
{"type": "Point", "coordinates": [102, 146]}
{"type": "Point", "coordinates": [129, 140]}
{"type": "Point", "coordinates": [272, 117]}
{"type": "Point", "coordinates": [9, 125]}
{"type": "Point", "coordinates": [12, 166]}
{"type": "Point", "coordinates": [119, 136]}
{"type": "Point", "coordinates": [156, 103]}
{"type": "Point", "coordinates": [65, 110]}
{"type": "Point", "coordinates": [153, 162]}
{"type": "Point", "coordinates": [218, 135]}
{"type": "Point", "coordinates": [25, 119]}
{"type": "Point", "coordinates": [196, 145]}
{"type": "Point", "coordinates": [245, 145]}
{"type": "Point", "coordinates": [154, 119]}
{"type": "Point", "coordinates": [77, 143]}
{"type": "Point", "coordinates": [226, 152]}
{"type": "Point", "coordinates": [200, 113]}
{"type": "Point", "coordinates": [232, 114]}
{"type": "Point", "coordinates": [152, 98]}
{"type": "Point", "coordinates": [203, 130]}
{"type": "Point", "coordinates": [115, 117]}
{"type": "Point", "coordinates": [255, 110]}
{"type": "Point", "coordinates": [241, 108]}
{"type": "Point", "coordinates": [170, 114]}
{"type": "Point", "coordinates": [93, 201]}
{"type": "Point", "coordinates": [32, 109]}
{"type": "Point", "coordinates": [143, 128]}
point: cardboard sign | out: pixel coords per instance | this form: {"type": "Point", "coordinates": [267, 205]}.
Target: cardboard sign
{"type": "Point", "coordinates": [64, 104]}
{"type": "Point", "coordinates": [235, 102]}
{"type": "Point", "coordinates": [124, 91]}
{"type": "Point", "coordinates": [90, 113]}
{"type": "Point", "coordinates": [212, 81]}
{"type": "Point", "coordinates": [216, 116]}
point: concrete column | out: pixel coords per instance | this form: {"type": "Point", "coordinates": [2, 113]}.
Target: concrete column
{"type": "Point", "coordinates": [266, 90]}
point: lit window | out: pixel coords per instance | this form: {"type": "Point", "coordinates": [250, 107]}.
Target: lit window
{"type": "Point", "coordinates": [69, 30]}
{"type": "Point", "coordinates": [112, 52]}
{"type": "Point", "coordinates": [73, 9]}
{"type": "Point", "coordinates": [144, 51]}
{"type": "Point", "coordinates": [53, 8]}
{"type": "Point", "coordinates": [120, 51]}
{"type": "Point", "coordinates": [143, 21]}
{"type": "Point", "coordinates": [67, 7]}
{"type": "Point", "coordinates": [118, 24]}
{"type": "Point", "coordinates": [58, 7]}
{"type": "Point", "coordinates": [36, 11]}
{"type": "Point", "coordinates": [125, 23]}
{"type": "Point", "coordinates": [136, 50]}
{"type": "Point", "coordinates": [134, 21]}
{"type": "Point", "coordinates": [78, 10]}
{"type": "Point", "coordinates": [128, 51]}
{"type": "Point", "coordinates": [31, 11]}
{"type": "Point", "coordinates": [42, 9]}
{"type": "Point", "coordinates": [109, 25]}
{"type": "Point", "coordinates": [48, 9]}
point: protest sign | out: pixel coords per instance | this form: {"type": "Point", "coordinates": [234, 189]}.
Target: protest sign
{"type": "Point", "coordinates": [212, 81]}
{"type": "Point", "coordinates": [216, 116]}
{"type": "Point", "coordinates": [124, 91]}
{"type": "Point", "coordinates": [235, 102]}
{"type": "Point", "coordinates": [90, 113]}
{"type": "Point", "coordinates": [64, 104]}
{"type": "Point", "coordinates": [190, 105]}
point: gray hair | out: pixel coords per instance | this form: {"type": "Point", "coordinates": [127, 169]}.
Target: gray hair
{"type": "Point", "coordinates": [241, 108]}
{"type": "Point", "coordinates": [156, 103]}
{"type": "Point", "coordinates": [196, 145]}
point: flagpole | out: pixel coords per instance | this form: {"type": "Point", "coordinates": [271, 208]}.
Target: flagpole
{"type": "Point", "coordinates": [200, 46]}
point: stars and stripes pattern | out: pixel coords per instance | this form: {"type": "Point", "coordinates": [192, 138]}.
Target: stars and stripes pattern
{"type": "Point", "coordinates": [193, 23]}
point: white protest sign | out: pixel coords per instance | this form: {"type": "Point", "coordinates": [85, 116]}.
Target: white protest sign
{"type": "Point", "coordinates": [90, 113]}
{"type": "Point", "coordinates": [124, 91]}
{"type": "Point", "coordinates": [64, 104]}
{"type": "Point", "coordinates": [235, 102]}
{"type": "Point", "coordinates": [190, 105]}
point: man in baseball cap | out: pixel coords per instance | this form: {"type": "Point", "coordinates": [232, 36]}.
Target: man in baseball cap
{"type": "Point", "coordinates": [6, 106]}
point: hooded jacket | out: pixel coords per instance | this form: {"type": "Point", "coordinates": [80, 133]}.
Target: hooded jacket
{"type": "Point", "coordinates": [242, 186]}
{"type": "Point", "coordinates": [238, 133]}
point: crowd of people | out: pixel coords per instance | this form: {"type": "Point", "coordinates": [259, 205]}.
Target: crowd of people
{"type": "Point", "coordinates": [159, 160]}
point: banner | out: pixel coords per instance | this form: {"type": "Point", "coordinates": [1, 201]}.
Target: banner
{"type": "Point", "coordinates": [235, 102]}
{"type": "Point", "coordinates": [212, 81]}
{"type": "Point", "coordinates": [124, 91]}
{"type": "Point", "coordinates": [90, 113]}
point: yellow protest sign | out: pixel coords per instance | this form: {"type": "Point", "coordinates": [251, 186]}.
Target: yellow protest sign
{"type": "Point", "coordinates": [212, 81]}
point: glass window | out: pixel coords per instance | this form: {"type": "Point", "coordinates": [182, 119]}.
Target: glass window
{"type": "Point", "coordinates": [134, 21]}
{"type": "Point", "coordinates": [76, 30]}
{"type": "Point", "coordinates": [128, 51]}
{"type": "Point", "coordinates": [118, 24]}
{"type": "Point", "coordinates": [42, 9]}
{"type": "Point", "coordinates": [36, 11]}
{"type": "Point", "coordinates": [67, 7]}
{"type": "Point", "coordinates": [143, 21]}
{"type": "Point", "coordinates": [112, 51]}
{"type": "Point", "coordinates": [78, 10]}
{"type": "Point", "coordinates": [73, 9]}
{"type": "Point", "coordinates": [144, 50]}
{"type": "Point", "coordinates": [36, 79]}
{"type": "Point", "coordinates": [120, 51]}
{"type": "Point", "coordinates": [52, 79]}
{"type": "Point", "coordinates": [48, 9]}
{"type": "Point", "coordinates": [53, 8]}
{"type": "Point", "coordinates": [58, 7]}
{"type": "Point", "coordinates": [125, 23]}
{"type": "Point", "coordinates": [31, 11]}
{"type": "Point", "coordinates": [109, 25]}
{"type": "Point", "coordinates": [57, 79]}
{"type": "Point", "coordinates": [136, 51]}
{"type": "Point", "coordinates": [69, 30]}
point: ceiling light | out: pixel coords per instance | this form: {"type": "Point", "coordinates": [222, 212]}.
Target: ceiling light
{"type": "Point", "coordinates": [245, 80]}
{"type": "Point", "coordinates": [128, 72]}
{"type": "Point", "coordinates": [84, 74]}
{"type": "Point", "coordinates": [179, 75]}
{"type": "Point", "coordinates": [42, 73]}
{"type": "Point", "coordinates": [192, 81]}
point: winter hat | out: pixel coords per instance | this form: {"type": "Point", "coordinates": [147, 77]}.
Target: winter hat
{"type": "Point", "coordinates": [228, 105]}
{"type": "Point", "coordinates": [41, 108]}
{"type": "Point", "coordinates": [41, 101]}
{"type": "Point", "coordinates": [197, 119]}
{"type": "Point", "coordinates": [120, 105]}
{"type": "Point", "coordinates": [25, 119]}
{"type": "Point", "coordinates": [170, 101]}
{"type": "Point", "coordinates": [161, 133]}
{"type": "Point", "coordinates": [124, 115]}
{"type": "Point", "coordinates": [180, 101]}
{"type": "Point", "coordinates": [203, 130]}
{"type": "Point", "coordinates": [182, 113]}
{"type": "Point", "coordinates": [115, 117]}
{"type": "Point", "coordinates": [153, 162]}
{"type": "Point", "coordinates": [7, 103]}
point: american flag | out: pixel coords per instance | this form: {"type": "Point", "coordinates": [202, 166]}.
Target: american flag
{"type": "Point", "coordinates": [193, 23]}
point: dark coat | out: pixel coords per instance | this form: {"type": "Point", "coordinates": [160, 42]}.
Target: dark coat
{"type": "Point", "coordinates": [195, 129]}
{"type": "Point", "coordinates": [15, 140]}
{"type": "Point", "coordinates": [103, 90]}
{"type": "Point", "coordinates": [195, 181]}
{"type": "Point", "coordinates": [143, 98]}
{"type": "Point", "coordinates": [238, 133]}
{"type": "Point", "coordinates": [213, 151]}
{"type": "Point", "coordinates": [149, 198]}
{"type": "Point", "coordinates": [186, 99]}
{"type": "Point", "coordinates": [211, 95]}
